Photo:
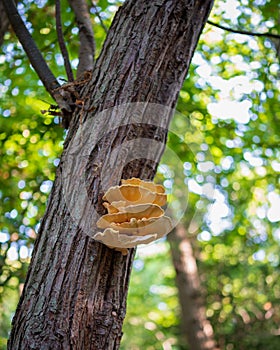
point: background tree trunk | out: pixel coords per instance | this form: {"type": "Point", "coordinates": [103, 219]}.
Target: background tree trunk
{"type": "Point", "coordinates": [76, 288]}
{"type": "Point", "coordinates": [195, 325]}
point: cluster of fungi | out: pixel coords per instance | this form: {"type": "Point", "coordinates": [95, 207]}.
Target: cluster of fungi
{"type": "Point", "coordinates": [135, 215]}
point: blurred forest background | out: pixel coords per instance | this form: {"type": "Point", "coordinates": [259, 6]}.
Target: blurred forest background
{"type": "Point", "coordinates": [226, 137]}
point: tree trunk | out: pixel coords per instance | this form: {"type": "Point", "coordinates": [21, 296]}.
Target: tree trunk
{"type": "Point", "coordinates": [76, 288]}
{"type": "Point", "coordinates": [195, 325]}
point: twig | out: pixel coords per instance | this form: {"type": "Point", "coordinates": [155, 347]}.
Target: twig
{"type": "Point", "coordinates": [46, 47]}
{"type": "Point", "coordinates": [99, 17]}
{"type": "Point", "coordinates": [61, 42]}
{"type": "Point", "coordinates": [54, 41]}
{"type": "Point", "coordinates": [86, 36]}
{"type": "Point", "coordinates": [237, 31]}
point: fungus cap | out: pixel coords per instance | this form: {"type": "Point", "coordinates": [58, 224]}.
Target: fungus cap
{"type": "Point", "coordinates": [134, 215]}
{"type": "Point", "coordinates": [146, 184]}
{"type": "Point", "coordinates": [131, 212]}
{"type": "Point", "coordinates": [114, 239]}
{"type": "Point", "coordinates": [141, 227]}
{"type": "Point", "coordinates": [132, 194]}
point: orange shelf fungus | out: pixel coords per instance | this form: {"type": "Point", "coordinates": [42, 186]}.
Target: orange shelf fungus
{"type": "Point", "coordinates": [134, 215]}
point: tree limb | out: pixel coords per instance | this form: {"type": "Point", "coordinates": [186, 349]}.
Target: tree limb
{"type": "Point", "coordinates": [45, 47]}
{"type": "Point", "coordinates": [237, 31]}
{"type": "Point", "coordinates": [36, 59]}
{"type": "Point", "coordinates": [4, 23]}
{"type": "Point", "coordinates": [4, 282]}
{"type": "Point", "coordinates": [87, 43]}
{"type": "Point", "coordinates": [32, 51]}
{"type": "Point", "coordinates": [61, 42]}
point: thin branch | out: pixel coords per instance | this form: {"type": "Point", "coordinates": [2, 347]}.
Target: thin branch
{"type": "Point", "coordinates": [4, 23]}
{"type": "Point", "coordinates": [61, 42]}
{"type": "Point", "coordinates": [31, 49]}
{"type": "Point", "coordinates": [237, 31]}
{"type": "Point", "coordinates": [86, 35]}
{"type": "Point", "coordinates": [99, 17]}
{"type": "Point", "coordinates": [62, 98]}
{"type": "Point", "coordinates": [46, 47]}
{"type": "Point", "coordinates": [55, 40]}
{"type": "Point", "coordinates": [3, 283]}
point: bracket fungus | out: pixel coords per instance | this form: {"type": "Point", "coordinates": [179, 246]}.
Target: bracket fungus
{"type": "Point", "coordinates": [134, 215]}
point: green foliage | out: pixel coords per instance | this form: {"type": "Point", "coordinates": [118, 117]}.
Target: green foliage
{"type": "Point", "coordinates": [226, 168]}
{"type": "Point", "coordinates": [9, 300]}
{"type": "Point", "coordinates": [239, 263]}
{"type": "Point", "coordinates": [153, 310]}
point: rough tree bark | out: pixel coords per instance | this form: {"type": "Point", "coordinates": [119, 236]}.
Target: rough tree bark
{"type": "Point", "coordinates": [195, 325]}
{"type": "Point", "coordinates": [76, 288]}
